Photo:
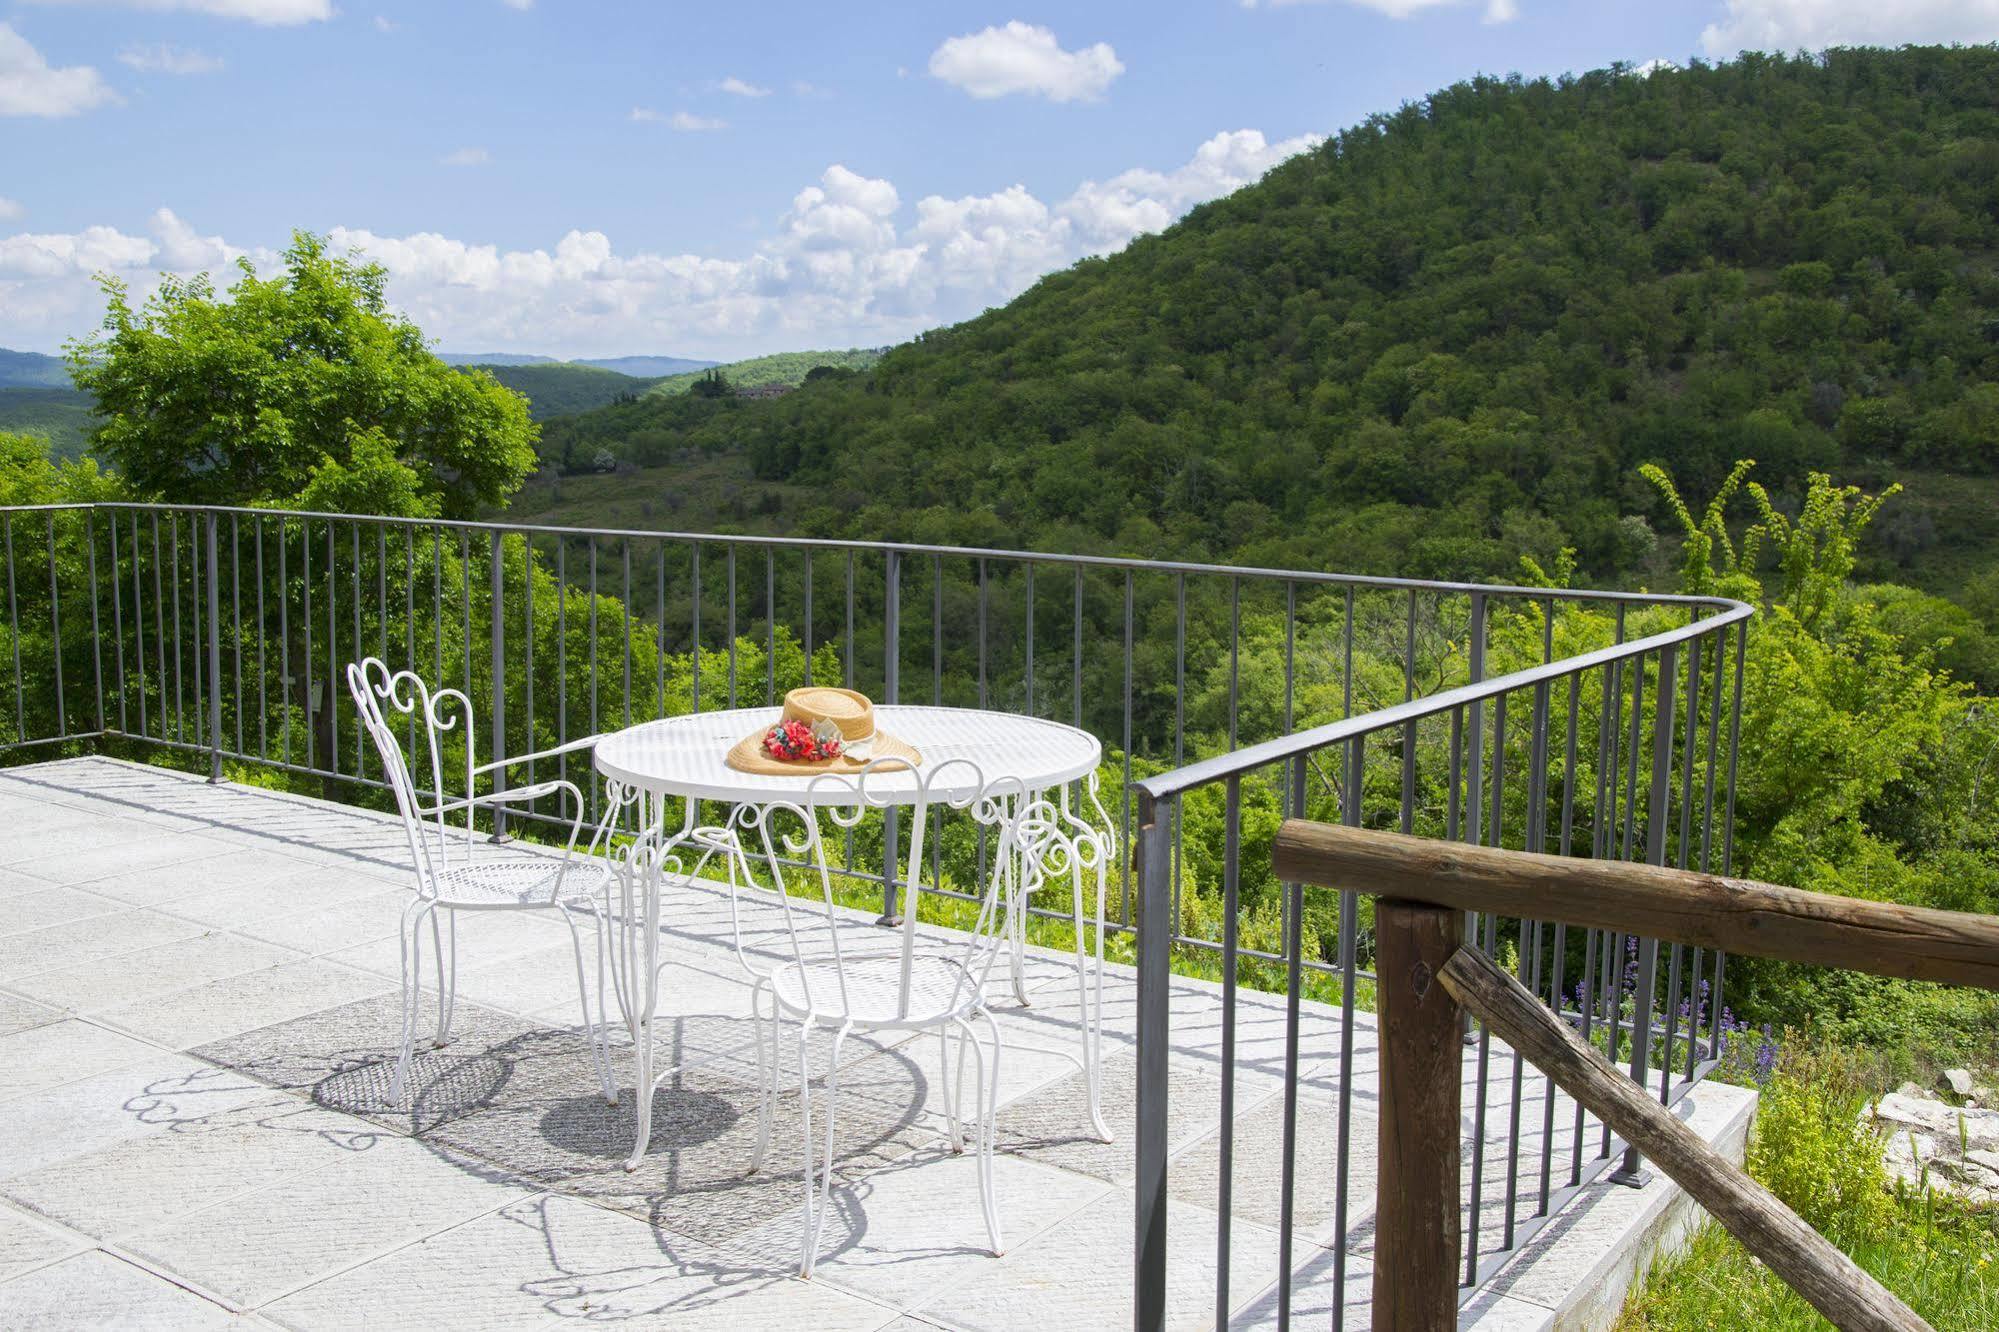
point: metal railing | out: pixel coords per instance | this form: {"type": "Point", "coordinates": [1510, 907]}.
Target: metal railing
{"type": "Point", "coordinates": [1647, 772]}
{"type": "Point", "coordinates": [1587, 723]}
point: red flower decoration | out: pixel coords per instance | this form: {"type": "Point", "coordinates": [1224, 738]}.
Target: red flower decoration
{"type": "Point", "coordinates": [793, 742]}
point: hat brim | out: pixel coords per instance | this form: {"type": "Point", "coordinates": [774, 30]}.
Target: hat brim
{"type": "Point", "coordinates": [748, 756]}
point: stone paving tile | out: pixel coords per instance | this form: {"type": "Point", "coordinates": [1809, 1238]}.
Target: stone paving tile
{"type": "Point", "coordinates": [97, 986]}
{"type": "Point", "coordinates": [28, 1242]}
{"type": "Point", "coordinates": [378, 915]}
{"type": "Point", "coordinates": [96, 1290]}
{"type": "Point", "coordinates": [343, 1058]}
{"type": "Point", "coordinates": [82, 941]}
{"type": "Point", "coordinates": [12, 884]}
{"type": "Point", "coordinates": [909, 1079]}
{"type": "Point", "coordinates": [1258, 1162]}
{"type": "Point", "coordinates": [302, 888]}
{"type": "Point", "coordinates": [164, 884]}
{"type": "Point", "coordinates": [166, 1093]}
{"type": "Point", "coordinates": [1079, 1273]}
{"type": "Point", "coordinates": [269, 1242]}
{"type": "Point", "coordinates": [533, 981]}
{"type": "Point", "coordinates": [549, 1122]}
{"type": "Point", "coordinates": [221, 1008]}
{"type": "Point", "coordinates": [87, 851]}
{"type": "Point", "coordinates": [18, 1014]}
{"type": "Point", "coordinates": [1052, 1124]}
{"type": "Point", "coordinates": [898, 1234]}
{"type": "Point", "coordinates": [59, 1052]}
{"type": "Point", "coordinates": [484, 938]}
{"type": "Point", "coordinates": [21, 912]}
{"type": "Point", "coordinates": [141, 1182]}
{"type": "Point", "coordinates": [557, 1258]}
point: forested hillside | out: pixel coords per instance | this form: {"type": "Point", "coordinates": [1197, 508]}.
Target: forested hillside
{"type": "Point", "coordinates": [786, 368]}
{"type": "Point", "coordinates": [1451, 335]}
{"type": "Point", "coordinates": [565, 388]}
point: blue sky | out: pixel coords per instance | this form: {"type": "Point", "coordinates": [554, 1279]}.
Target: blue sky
{"type": "Point", "coordinates": [585, 177]}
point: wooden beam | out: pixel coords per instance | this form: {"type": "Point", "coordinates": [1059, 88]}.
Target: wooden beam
{"type": "Point", "coordinates": [1835, 1286]}
{"type": "Point", "coordinates": [1422, 1066]}
{"type": "Point", "coordinates": [1736, 915]}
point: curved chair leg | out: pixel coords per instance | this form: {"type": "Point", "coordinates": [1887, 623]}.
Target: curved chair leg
{"type": "Point", "coordinates": [1091, 1016]}
{"type": "Point", "coordinates": [986, 1089]}
{"type": "Point", "coordinates": [946, 1077]}
{"type": "Point", "coordinates": [583, 997]}
{"type": "Point", "coordinates": [412, 988]}
{"type": "Point", "coordinates": [603, 1011]}
{"type": "Point", "coordinates": [766, 1069]}
{"type": "Point", "coordinates": [1017, 943]}
{"type": "Point", "coordinates": [815, 1219]}
{"type": "Point", "coordinates": [805, 1256]}
{"type": "Point", "coordinates": [447, 974]}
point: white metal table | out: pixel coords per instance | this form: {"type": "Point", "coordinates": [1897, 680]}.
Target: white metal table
{"type": "Point", "coordinates": [651, 767]}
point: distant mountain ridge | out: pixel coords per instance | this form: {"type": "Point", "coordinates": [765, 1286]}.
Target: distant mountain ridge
{"type": "Point", "coordinates": [780, 370]}
{"type": "Point", "coordinates": [19, 369]}
{"type": "Point", "coordinates": [638, 367]}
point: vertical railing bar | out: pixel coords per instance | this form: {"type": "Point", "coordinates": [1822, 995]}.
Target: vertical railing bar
{"type": "Point", "coordinates": [1028, 656]}
{"type": "Point", "coordinates": [284, 646]}
{"type": "Point", "coordinates": [496, 636]}
{"type": "Point", "coordinates": [14, 632]}
{"type": "Point", "coordinates": [236, 615]}
{"type": "Point", "coordinates": [1225, 1141]}
{"type": "Point", "coordinates": [694, 619]}
{"type": "Point", "coordinates": [527, 651]}
{"type": "Point", "coordinates": [1407, 822]}
{"type": "Point", "coordinates": [731, 564]}
{"type": "Point", "coordinates": [1656, 816]}
{"type": "Point", "coordinates": [892, 690]}
{"type": "Point", "coordinates": [1125, 905]}
{"type": "Point", "coordinates": [409, 621]}
{"type": "Point", "coordinates": [1489, 921]}
{"type": "Point", "coordinates": [625, 553]}
{"type": "Point", "coordinates": [596, 714]}
{"type": "Point", "coordinates": [562, 655]}
{"type": "Point", "coordinates": [1235, 654]}
{"type": "Point", "coordinates": [96, 620]}
{"type": "Point", "coordinates": [806, 555]}
{"type": "Point", "coordinates": [1179, 723]}
{"type": "Point", "coordinates": [180, 697]}
{"type": "Point", "coordinates": [305, 647]}
{"type": "Point", "coordinates": [263, 672]}
{"type": "Point", "coordinates": [1349, 928]}
{"type": "Point", "coordinates": [1149, 1185]}
{"type": "Point", "coordinates": [214, 653]}
{"type": "Point", "coordinates": [659, 618]}
{"type": "Point", "coordinates": [1294, 951]}
{"type": "Point", "coordinates": [984, 602]}
{"type": "Point", "coordinates": [332, 652]}
{"type": "Point", "coordinates": [55, 632]}
{"type": "Point", "coordinates": [1559, 963]}
{"type": "Point", "coordinates": [1076, 657]}
{"type": "Point", "coordinates": [1728, 822]}
{"type": "Point", "coordinates": [118, 623]}
{"type": "Point", "coordinates": [770, 625]}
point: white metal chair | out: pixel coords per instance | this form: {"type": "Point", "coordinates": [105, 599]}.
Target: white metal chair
{"type": "Point", "coordinates": [449, 879]}
{"type": "Point", "coordinates": [834, 980]}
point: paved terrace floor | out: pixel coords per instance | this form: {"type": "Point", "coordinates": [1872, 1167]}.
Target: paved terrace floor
{"type": "Point", "coordinates": [197, 998]}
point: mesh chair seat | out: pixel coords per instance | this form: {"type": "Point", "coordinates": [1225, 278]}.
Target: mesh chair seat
{"type": "Point", "coordinates": [499, 885]}
{"type": "Point", "coordinates": [939, 989]}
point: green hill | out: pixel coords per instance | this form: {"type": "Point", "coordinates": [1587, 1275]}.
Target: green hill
{"type": "Point", "coordinates": [563, 388]}
{"type": "Point", "coordinates": [60, 415]}
{"type": "Point", "coordinates": [1452, 333]}
{"type": "Point", "coordinates": [786, 368]}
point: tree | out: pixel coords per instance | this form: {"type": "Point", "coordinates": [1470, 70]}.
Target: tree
{"type": "Point", "coordinates": [302, 384]}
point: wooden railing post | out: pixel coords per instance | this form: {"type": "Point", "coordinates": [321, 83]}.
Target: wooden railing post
{"type": "Point", "coordinates": [1416, 1191]}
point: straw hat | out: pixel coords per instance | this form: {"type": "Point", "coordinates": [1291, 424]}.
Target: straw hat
{"type": "Point", "coordinates": [825, 711]}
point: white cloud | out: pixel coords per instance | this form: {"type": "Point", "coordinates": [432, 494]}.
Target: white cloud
{"type": "Point", "coordinates": [1785, 25]}
{"type": "Point", "coordinates": [30, 86]}
{"type": "Point", "coordinates": [688, 122]}
{"type": "Point", "coordinates": [741, 88]}
{"type": "Point", "coordinates": [1656, 65]}
{"type": "Point", "coordinates": [800, 88]}
{"type": "Point", "coordinates": [1024, 58]}
{"type": "Point", "coordinates": [10, 209]}
{"type": "Point", "coordinates": [383, 23]}
{"type": "Point", "coordinates": [1501, 11]}
{"type": "Point", "coordinates": [272, 13]}
{"type": "Point", "coordinates": [518, 4]}
{"type": "Point", "coordinates": [851, 261]}
{"type": "Point", "coordinates": [166, 58]}
{"type": "Point", "coordinates": [465, 157]}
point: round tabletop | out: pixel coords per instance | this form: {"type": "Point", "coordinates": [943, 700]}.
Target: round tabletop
{"type": "Point", "coordinates": [685, 756]}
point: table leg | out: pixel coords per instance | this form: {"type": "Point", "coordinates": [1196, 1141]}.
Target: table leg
{"type": "Point", "coordinates": [1090, 997]}
{"type": "Point", "coordinates": [642, 967]}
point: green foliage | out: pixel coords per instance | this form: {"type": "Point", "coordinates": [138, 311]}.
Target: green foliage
{"type": "Point", "coordinates": [59, 415]}
{"type": "Point", "coordinates": [1812, 1149]}
{"type": "Point", "coordinates": [1407, 350]}
{"type": "Point", "coordinates": [251, 399]}
{"type": "Point", "coordinates": [787, 368]}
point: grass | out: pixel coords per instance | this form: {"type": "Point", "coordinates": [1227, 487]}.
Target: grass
{"type": "Point", "coordinates": [1814, 1150]}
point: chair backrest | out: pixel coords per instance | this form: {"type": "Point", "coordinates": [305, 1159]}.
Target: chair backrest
{"type": "Point", "coordinates": [435, 844]}
{"type": "Point", "coordinates": [781, 838]}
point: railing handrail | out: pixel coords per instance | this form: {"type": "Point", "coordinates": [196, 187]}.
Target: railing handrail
{"type": "Point", "coordinates": [1423, 889]}
{"type": "Point", "coordinates": [1741, 916]}
{"type": "Point", "coordinates": [1133, 563]}
{"type": "Point", "coordinates": [1247, 759]}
